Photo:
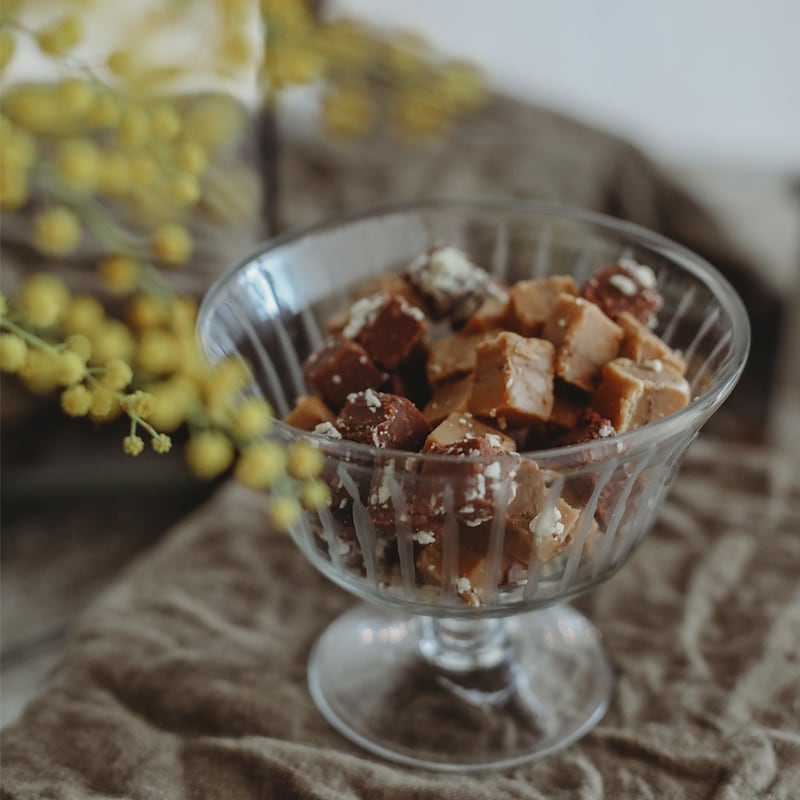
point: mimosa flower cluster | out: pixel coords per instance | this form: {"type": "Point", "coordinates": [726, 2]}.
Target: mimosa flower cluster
{"type": "Point", "coordinates": [105, 159]}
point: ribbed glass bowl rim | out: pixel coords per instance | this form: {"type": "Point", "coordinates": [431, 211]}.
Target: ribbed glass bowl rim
{"type": "Point", "coordinates": [690, 417]}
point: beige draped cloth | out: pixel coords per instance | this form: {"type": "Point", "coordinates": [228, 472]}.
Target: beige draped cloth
{"type": "Point", "coordinates": [187, 678]}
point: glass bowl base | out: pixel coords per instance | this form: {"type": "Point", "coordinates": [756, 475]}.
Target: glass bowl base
{"type": "Point", "coordinates": [461, 696]}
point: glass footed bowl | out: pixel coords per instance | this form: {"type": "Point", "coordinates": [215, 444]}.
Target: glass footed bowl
{"type": "Point", "coordinates": [465, 655]}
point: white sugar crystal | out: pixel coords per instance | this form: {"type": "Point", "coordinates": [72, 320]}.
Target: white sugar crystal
{"type": "Point", "coordinates": [383, 495]}
{"type": "Point", "coordinates": [336, 379]}
{"type": "Point", "coordinates": [424, 537]}
{"type": "Point", "coordinates": [495, 441]}
{"type": "Point", "coordinates": [448, 270]}
{"type": "Point", "coordinates": [327, 429]}
{"type": "Point", "coordinates": [493, 470]}
{"type": "Point", "coordinates": [654, 364]}
{"type": "Point", "coordinates": [362, 312]}
{"type": "Point", "coordinates": [606, 430]}
{"type": "Point", "coordinates": [643, 274]}
{"type": "Point", "coordinates": [372, 400]}
{"type": "Point", "coordinates": [547, 523]}
{"type": "Point", "coordinates": [463, 585]}
{"type": "Point", "coordinates": [625, 284]}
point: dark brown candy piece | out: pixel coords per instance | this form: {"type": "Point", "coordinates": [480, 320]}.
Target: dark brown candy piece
{"type": "Point", "coordinates": [382, 420]}
{"type": "Point", "coordinates": [588, 427]}
{"type": "Point", "coordinates": [391, 330]}
{"type": "Point", "coordinates": [625, 286]}
{"type": "Point", "coordinates": [448, 282]}
{"type": "Point", "coordinates": [389, 482]}
{"type": "Point", "coordinates": [339, 368]}
{"type": "Point", "coordinates": [473, 478]}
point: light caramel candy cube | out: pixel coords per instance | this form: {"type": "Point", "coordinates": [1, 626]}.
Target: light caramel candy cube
{"type": "Point", "coordinates": [584, 338]}
{"type": "Point", "coordinates": [530, 302]}
{"type": "Point", "coordinates": [513, 382]}
{"type": "Point", "coordinates": [532, 529]}
{"type": "Point", "coordinates": [308, 412]}
{"type": "Point", "coordinates": [641, 345]}
{"type": "Point", "coordinates": [490, 316]}
{"type": "Point", "coordinates": [632, 395]}
{"type": "Point", "coordinates": [453, 356]}
{"type": "Point", "coordinates": [449, 397]}
{"type": "Point", "coordinates": [472, 573]}
{"type": "Point", "coordinates": [458, 426]}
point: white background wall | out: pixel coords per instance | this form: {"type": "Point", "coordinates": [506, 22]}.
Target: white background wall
{"type": "Point", "coordinates": [701, 81]}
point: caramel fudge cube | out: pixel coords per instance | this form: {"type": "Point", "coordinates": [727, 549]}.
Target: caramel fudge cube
{"type": "Point", "coordinates": [458, 426]}
{"type": "Point", "coordinates": [382, 420]}
{"type": "Point", "coordinates": [625, 286]}
{"type": "Point", "coordinates": [448, 282]}
{"type": "Point", "coordinates": [631, 395]}
{"type": "Point", "coordinates": [472, 572]}
{"type": "Point", "coordinates": [390, 330]}
{"type": "Point", "coordinates": [585, 339]}
{"type": "Point", "coordinates": [641, 345]}
{"type": "Point", "coordinates": [339, 368]}
{"type": "Point", "coordinates": [513, 380]}
{"type": "Point", "coordinates": [453, 356]}
{"type": "Point", "coordinates": [308, 412]}
{"type": "Point", "coordinates": [531, 302]}
{"type": "Point", "coordinates": [449, 397]}
{"type": "Point", "coordinates": [531, 528]}
{"type": "Point", "coordinates": [490, 315]}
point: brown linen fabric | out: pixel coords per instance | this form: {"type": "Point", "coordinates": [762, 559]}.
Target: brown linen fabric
{"type": "Point", "coordinates": [187, 679]}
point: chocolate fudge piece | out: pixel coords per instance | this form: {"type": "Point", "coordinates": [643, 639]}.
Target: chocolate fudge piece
{"type": "Point", "coordinates": [449, 397]}
{"type": "Point", "coordinates": [473, 478]}
{"type": "Point", "coordinates": [631, 395]}
{"type": "Point", "coordinates": [380, 500]}
{"type": "Point", "coordinates": [587, 427]}
{"type": "Point", "coordinates": [448, 282]}
{"type": "Point", "coordinates": [641, 345]}
{"type": "Point", "coordinates": [528, 520]}
{"type": "Point", "coordinates": [308, 412]}
{"type": "Point", "coordinates": [531, 302]}
{"type": "Point", "coordinates": [625, 286]}
{"type": "Point", "coordinates": [382, 420]}
{"type": "Point", "coordinates": [339, 368]}
{"type": "Point", "coordinates": [390, 329]}
{"type": "Point", "coordinates": [584, 338]}
{"type": "Point", "coordinates": [453, 356]}
{"type": "Point", "coordinates": [513, 381]}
